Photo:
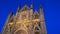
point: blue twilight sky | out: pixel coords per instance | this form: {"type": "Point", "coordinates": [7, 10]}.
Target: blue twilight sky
{"type": "Point", "coordinates": [51, 12]}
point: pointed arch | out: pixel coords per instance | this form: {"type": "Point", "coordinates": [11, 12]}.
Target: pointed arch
{"type": "Point", "coordinates": [37, 33]}
{"type": "Point", "coordinates": [36, 15]}
{"type": "Point", "coordinates": [22, 29]}
{"type": "Point", "coordinates": [37, 29]}
{"type": "Point", "coordinates": [19, 31]}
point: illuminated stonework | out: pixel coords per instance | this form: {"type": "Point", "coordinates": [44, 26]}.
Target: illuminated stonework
{"type": "Point", "coordinates": [26, 21]}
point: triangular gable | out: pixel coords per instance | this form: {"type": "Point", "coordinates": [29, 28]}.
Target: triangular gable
{"type": "Point", "coordinates": [25, 7]}
{"type": "Point", "coordinates": [36, 12]}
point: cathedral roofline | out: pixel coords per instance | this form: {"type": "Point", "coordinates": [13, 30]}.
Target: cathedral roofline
{"type": "Point", "coordinates": [28, 8]}
{"type": "Point", "coordinates": [24, 7]}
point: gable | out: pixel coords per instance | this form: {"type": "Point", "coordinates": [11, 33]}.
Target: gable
{"type": "Point", "coordinates": [25, 7]}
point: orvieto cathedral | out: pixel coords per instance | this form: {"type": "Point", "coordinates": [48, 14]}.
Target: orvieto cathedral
{"type": "Point", "coordinates": [26, 21]}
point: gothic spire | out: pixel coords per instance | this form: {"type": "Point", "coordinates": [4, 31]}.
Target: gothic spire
{"type": "Point", "coordinates": [41, 10]}
{"type": "Point", "coordinates": [18, 8]}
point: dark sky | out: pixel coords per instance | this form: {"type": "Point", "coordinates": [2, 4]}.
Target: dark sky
{"type": "Point", "coordinates": [51, 10]}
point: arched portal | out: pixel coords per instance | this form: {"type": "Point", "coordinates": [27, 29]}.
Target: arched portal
{"type": "Point", "coordinates": [37, 33]}
{"type": "Point", "coordinates": [21, 32]}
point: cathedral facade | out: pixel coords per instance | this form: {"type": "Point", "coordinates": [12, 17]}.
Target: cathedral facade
{"type": "Point", "coordinates": [26, 21]}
